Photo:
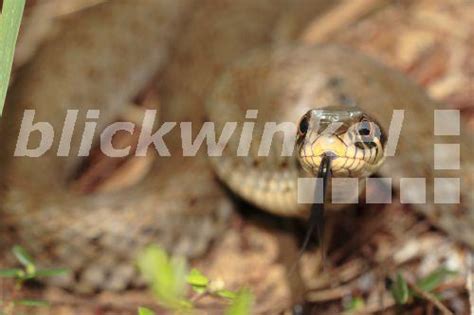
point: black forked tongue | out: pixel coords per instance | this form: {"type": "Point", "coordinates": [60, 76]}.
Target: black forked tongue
{"type": "Point", "coordinates": [316, 217]}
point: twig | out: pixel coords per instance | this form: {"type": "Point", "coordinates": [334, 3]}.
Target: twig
{"type": "Point", "coordinates": [430, 297]}
{"type": "Point", "coordinates": [330, 294]}
{"type": "Point", "coordinates": [341, 16]}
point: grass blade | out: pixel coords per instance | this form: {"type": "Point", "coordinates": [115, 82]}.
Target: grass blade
{"type": "Point", "coordinates": [10, 20]}
{"type": "Point", "coordinates": [434, 279]}
{"type": "Point", "coordinates": [9, 273]}
{"type": "Point", "coordinates": [51, 272]}
{"type": "Point", "coordinates": [400, 291]}
{"type": "Point", "coordinates": [33, 303]}
{"type": "Point", "coordinates": [22, 255]}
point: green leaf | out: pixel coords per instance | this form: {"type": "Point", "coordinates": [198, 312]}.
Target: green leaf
{"type": "Point", "coordinates": [400, 291]}
{"type": "Point", "coordinates": [356, 304]}
{"type": "Point", "coordinates": [242, 303]}
{"type": "Point", "coordinates": [166, 276]}
{"type": "Point", "coordinates": [434, 279]}
{"type": "Point", "coordinates": [23, 257]}
{"type": "Point", "coordinates": [30, 302]}
{"type": "Point", "coordinates": [226, 294]}
{"type": "Point", "coordinates": [51, 272]}
{"type": "Point", "coordinates": [198, 289]}
{"type": "Point", "coordinates": [196, 278]}
{"type": "Point", "coordinates": [10, 20]}
{"type": "Point", "coordinates": [10, 273]}
{"type": "Point", "coordinates": [145, 311]}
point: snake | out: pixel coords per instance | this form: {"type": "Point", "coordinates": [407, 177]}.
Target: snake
{"type": "Point", "coordinates": [211, 62]}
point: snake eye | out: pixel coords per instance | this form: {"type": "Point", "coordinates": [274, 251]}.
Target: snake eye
{"type": "Point", "coordinates": [304, 125]}
{"type": "Point", "coordinates": [364, 128]}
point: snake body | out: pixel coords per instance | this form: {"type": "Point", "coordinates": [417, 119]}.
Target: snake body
{"type": "Point", "coordinates": [215, 61]}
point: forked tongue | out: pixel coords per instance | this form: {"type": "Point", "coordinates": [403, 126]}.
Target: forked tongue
{"type": "Point", "coordinates": [316, 217]}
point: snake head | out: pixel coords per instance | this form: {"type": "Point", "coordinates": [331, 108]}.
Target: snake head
{"type": "Point", "coordinates": [354, 141]}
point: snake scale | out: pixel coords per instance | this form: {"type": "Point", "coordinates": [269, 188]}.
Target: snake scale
{"type": "Point", "coordinates": [213, 61]}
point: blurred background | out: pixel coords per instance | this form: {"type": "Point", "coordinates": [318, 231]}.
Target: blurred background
{"type": "Point", "coordinates": [432, 41]}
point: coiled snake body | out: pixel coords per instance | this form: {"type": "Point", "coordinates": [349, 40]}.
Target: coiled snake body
{"type": "Point", "coordinates": [227, 57]}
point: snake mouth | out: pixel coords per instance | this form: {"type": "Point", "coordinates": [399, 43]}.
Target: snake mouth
{"type": "Point", "coordinates": [331, 155]}
{"type": "Point", "coordinates": [341, 166]}
{"type": "Point", "coordinates": [325, 145]}
{"type": "Point", "coordinates": [344, 162]}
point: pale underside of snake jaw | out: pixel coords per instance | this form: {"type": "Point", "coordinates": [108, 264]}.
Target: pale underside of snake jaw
{"type": "Point", "coordinates": [105, 55]}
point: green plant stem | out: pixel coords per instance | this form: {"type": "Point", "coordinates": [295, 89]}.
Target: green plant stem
{"type": "Point", "coordinates": [10, 20]}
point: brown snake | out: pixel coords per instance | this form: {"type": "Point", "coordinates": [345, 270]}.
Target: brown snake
{"type": "Point", "coordinates": [228, 56]}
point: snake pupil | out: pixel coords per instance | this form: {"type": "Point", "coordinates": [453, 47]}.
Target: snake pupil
{"type": "Point", "coordinates": [364, 132]}
{"type": "Point", "coordinates": [304, 125]}
{"type": "Point", "coordinates": [364, 129]}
